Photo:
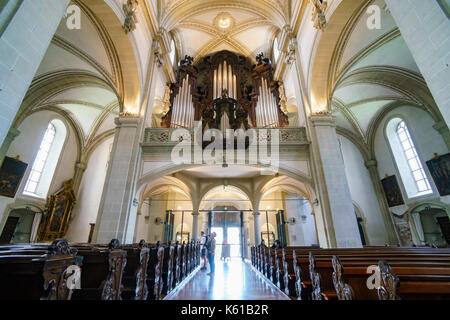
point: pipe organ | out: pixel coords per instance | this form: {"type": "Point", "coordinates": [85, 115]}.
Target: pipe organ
{"type": "Point", "coordinates": [225, 91]}
{"type": "Point", "coordinates": [266, 108]}
{"type": "Point", "coordinates": [224, 79]}
{"type": "Point", "coordinates": [183, 107]}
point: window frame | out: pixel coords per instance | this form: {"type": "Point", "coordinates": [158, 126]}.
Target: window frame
{"type": "Point", "coordinates": [410, 153]}
{"type": "Point", "coordinates": [33, 170]}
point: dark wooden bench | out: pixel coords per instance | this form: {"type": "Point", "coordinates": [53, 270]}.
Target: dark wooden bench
{"type": "Point", "coordinates": [37, 272]}
{"type": "Point", "coordinates": [101, 276]}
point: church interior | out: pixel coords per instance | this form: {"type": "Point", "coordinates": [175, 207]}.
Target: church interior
{"type": "Point", "coordinates": [310, 136]}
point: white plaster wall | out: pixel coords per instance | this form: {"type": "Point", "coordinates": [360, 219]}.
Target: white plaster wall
{"type": "Point", "coordinates": [363, 193]}
{"type": "Point", "coordinates": [26, 145]}
{"type": "Point", "coordinates": [151, 209]}
{"type": "Point", "coordinates": [303, 232]}
{"type": "Point", "coordinates": [89, 195]}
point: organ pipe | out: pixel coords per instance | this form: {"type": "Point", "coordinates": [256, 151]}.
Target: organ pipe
{"type": "Point", "coordinates": [183, 106]}
{"type": "Point", "coordinates": [266, 108]}
{"type": "Point", "coordinates": [224, 79]}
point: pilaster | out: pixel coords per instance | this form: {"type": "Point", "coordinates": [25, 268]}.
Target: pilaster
{"type": "Point", "coordinates": [117, 212]}
{"type": "Point", "coordinates": [338, 206]}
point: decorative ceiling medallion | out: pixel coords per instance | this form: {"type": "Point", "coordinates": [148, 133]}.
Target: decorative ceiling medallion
{"type": "Point", "coordinates": [224, 21]}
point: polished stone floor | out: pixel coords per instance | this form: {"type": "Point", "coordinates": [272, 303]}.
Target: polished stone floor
{"type": "Point", "coordinates": [234, 280]}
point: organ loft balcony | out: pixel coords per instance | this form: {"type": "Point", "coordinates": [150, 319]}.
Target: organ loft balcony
{"type": "Point", "coordinates": [228, 108]}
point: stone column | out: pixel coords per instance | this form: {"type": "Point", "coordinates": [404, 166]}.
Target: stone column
{"type": "Point", "coordinates": [338, 206]}
{"type": "Point", "coordinates": [12, 134]}
{"type": "Point", "coordinates": [372, 166]}
{"type": "Point", "coordinates": [205, 222]}
{"type": "Point", "coordinates": [117, 212]}
{"type": "Point", "coordinates": [257, 227]}
{"type": "Point", "coordinates": [195, 215]}
{"type": "Point", "coordinates": [426, 30]}
{"type": "Point", "coordinates": [80, 168]}
{"type": "Point", "coordinates": [23, 45]}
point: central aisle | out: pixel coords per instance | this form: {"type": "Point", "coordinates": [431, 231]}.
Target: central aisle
{"type": "Point", "coordinates": [234, 280]}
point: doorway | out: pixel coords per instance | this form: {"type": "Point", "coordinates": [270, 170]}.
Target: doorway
{"type": "Point", "coordinates": [19, 227]}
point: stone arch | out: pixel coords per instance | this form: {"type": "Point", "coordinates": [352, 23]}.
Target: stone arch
{"type": "Point", "coordinates": [120, 48]}
{"type": "Point", "coordinates": [68, 121]}
{"type": "Point", "coordinates": [326, 48]}
{"type": "Point", "coordinates": [49, 85]}
{"type": "Point", "coordinates": [170, 169]}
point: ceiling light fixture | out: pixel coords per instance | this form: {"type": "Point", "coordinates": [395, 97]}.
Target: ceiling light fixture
{"type": "Point", "coordinates": [224, 21]}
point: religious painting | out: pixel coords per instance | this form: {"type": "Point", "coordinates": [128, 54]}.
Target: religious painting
{"type": "Point", "coordinates": [403, 229]}
{"type": "Point", "coordinates": [11, 174]}
{"type": "Point", "coordinates": [392, 191]}
{"type": "Point", "coordinates": [56, 218]}
{"type": "Point", "coordinates": [439, 168]}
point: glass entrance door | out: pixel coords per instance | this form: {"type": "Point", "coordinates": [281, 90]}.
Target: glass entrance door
{"type": "Point", "coordinates": [234, 242]}
{"type": "Point", "coordinates": [219, 241]}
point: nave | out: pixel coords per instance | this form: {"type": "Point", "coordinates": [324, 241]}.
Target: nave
{"type": "Point", "coordinates": [234, 280]}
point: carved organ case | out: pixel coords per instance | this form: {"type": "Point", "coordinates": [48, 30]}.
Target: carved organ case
{"type": "Point", "coordinates": [225, 91]}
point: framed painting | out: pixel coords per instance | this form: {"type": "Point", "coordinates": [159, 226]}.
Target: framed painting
{"type": "Point", "coordinates": [58, 211]}
{"type": "Point", "coordinates": [392, 191]}
{"type": "Point", "coordinates": [11, 174]}
{"type": "Point", "coordinates": [439, 168]}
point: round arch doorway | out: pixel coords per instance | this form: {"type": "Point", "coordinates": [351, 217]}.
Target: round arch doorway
{"type": "Point", "coordinates": [225, 211]}
{"type": "Point", "coordinates": [228, 224]}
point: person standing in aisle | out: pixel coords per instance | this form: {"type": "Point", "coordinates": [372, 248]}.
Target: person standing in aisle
{"type": "Point", "coordinates": [211, 246]}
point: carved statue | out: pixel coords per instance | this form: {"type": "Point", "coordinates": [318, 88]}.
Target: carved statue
{"type": "Point", "coordinates": [166, 99]}
{"type": "Point", "coordinates": [129, 9]}
{"type": "Point", "coordinates": [224, 93]}
{"type": "Point", "coordinates": [261, 60]}
{"type": "Point", "coordinates": [208, 115]}
{"type": "Point", "coordinates": [283, 98]}
{"type": "Point", "coordinates": [319, 19]}
{"type": "Point", "coordinates": [187, 61]}
{"type": "Point", "coordinates": [241, 118]}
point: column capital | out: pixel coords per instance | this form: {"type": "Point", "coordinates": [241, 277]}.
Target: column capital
{"type": "Point", "coordinates": [81, 165]}
{"type": "Point", "coordinates": [195, 213]}
{"type": "Point", "coordinates": [255, 213]}
{"type": "Point", "coordinates": [440, 126]}
{"type": "Point", "coordinates": [325, 119]}
{"type": "Point", "coordinates": [372, 163]}
{"type": "Point", "coordinates": [127, 121]}
{"type": "Point", "coordinates": [13, 133]}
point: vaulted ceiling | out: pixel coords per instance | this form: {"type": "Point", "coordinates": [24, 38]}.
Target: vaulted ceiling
{"type": "Point", "coordinates": [200, 27]}
{"type": "Point", "coordinates": [372, 69]}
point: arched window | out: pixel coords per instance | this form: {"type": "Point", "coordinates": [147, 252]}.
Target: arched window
{"type": "Point", "coordinates": [276, 53]}
{"type": "Point", "coordinates": [44, 165]}
{"type": "Point", "coordinates": [414, 163]}
{"type": "Point", "coordinates": [409, 165]}
{"type": "Point", "coordinates": [172, 52]}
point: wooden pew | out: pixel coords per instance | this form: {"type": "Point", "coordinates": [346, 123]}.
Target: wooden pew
{"type": "Point", "coordinates": [38, 272]}
{"type": "Point", "coordinates": [154, 271]}
{"type": "Point", "coordinates": [178, 264]}
{"type": "Point", "coordinates": [134, 279]}
{"type": "Point", "coordinates": [168, 269]}
{"type": "Point", "coordinates": [101, 276]}
{"type": "Point", "coordinates": [399, 279]}
{"type": "Point", "coordinates": [298, 269]}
